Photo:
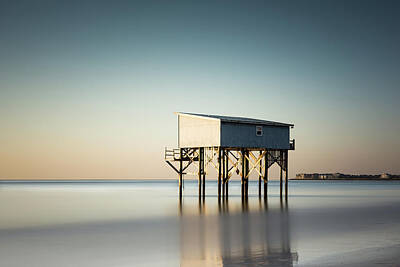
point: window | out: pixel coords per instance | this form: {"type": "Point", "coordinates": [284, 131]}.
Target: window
{"type": "Point", "coordinates": [259, 130]}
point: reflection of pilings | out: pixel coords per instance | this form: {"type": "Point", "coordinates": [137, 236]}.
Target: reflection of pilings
{"type": "Point", "coordinates": [226, 206]}
{"type": "Point", "coordinates": [265, 202]}
{"type": "Point", "coordinates": [281, 204]}
{"type": "Point", "coordinates": [180, 207]}
{"type": "Point", "coordinates": [201, 206]}
{"type": "Point", "coordinates": [246, 241]}
{"type": "Point", "coordinates": [239, 239]}
{"type": "Point", "coordinates": [285, 225]}
{"type": "Point", "coordinates": [226, 231]}
{"type": "Point", "coordinates": [264, 229]}
{"type": "Point", "coordinates": [245, 204]}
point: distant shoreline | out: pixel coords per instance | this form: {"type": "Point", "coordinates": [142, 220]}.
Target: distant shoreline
{"type": "Point", "coordinates": [83, 180]}
{"type": "Point", "coordinates": [346, 179]}
{"type": "Point", "coordinates": [91, 180]}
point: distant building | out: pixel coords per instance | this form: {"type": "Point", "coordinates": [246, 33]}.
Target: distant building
{"type": "Point", "coordinates": [338, 175]}
{"type": "Point", "coordinates": [307, 176]}
{"type": "Point", "coordinates": [327, 176]}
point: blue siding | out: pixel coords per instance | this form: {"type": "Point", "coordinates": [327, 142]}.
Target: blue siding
{"type": "Point", "coordinates": [244, 135]}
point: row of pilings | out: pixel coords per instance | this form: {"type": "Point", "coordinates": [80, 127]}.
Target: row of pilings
{"type": "Point", "coordinates": [229, 161]}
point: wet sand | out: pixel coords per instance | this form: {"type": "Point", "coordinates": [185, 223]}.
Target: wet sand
{"type": "Point", "coordinates": [369, 257]}
{"type": "Point", "coordinates": [144, 224]}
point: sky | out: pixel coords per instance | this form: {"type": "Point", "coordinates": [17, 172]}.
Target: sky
{"type": "Point", "coordinates": [88, 88]}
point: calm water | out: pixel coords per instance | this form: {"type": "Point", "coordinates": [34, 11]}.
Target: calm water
{"type": "Point", "coordinates": [142, 223]}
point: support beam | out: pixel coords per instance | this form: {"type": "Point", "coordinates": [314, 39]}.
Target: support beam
{"type": "Point", "coordinates": [172, 166]}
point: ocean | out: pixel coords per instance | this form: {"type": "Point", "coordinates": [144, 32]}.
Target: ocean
{"type": "Point", "coordinates": [143, 223]}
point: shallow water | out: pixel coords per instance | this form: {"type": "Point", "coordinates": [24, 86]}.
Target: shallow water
{"type": "Point", "coordinates": [142, 223]}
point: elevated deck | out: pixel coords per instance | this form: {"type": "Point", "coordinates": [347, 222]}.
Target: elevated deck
{"type": "Point", "coordinates": [228, 162]}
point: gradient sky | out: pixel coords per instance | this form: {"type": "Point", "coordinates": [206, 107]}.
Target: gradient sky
{"type": "Point", "coordinates": [88, 89]}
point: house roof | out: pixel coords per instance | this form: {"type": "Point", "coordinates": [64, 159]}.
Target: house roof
{"type": "Point", "coordinates": [235, 119]}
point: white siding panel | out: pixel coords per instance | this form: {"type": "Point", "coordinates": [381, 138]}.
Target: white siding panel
{"type": "Point", "coordinates": [198, 132]}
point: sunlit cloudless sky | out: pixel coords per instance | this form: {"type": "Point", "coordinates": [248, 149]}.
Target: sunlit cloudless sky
{"type": "Point", "coordinates": [88, 88]}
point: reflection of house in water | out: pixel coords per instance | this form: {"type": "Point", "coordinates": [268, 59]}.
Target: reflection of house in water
{"type": "Point", "coordinates": [246, 238]}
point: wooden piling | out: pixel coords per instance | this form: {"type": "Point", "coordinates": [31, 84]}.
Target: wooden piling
{"type": "Point", "coordinates": [204, 175]}
{"type": "Point", "coordinates": [247, 173]}
{"type": "Point", "coordinates": [219, 171]}
{"type": "Point", "coordinates": [280, 179]}
{"type": "Point", "coordinates": [223, 173]}
{"type": "Point", "coordinates": [180, 173]}
{"type": "Point", "coordinates": [286, 173]}
{"type": "Point", "coordinates": [243, 173]}
{"type": "Point", "coordinates": [200, 168]}
{"type": "Point", "coordinates": [259, 177]}
{"type": "Point", "coordinates": [266, 175]}
{"type": "Point", "coordinates": [226, 172]}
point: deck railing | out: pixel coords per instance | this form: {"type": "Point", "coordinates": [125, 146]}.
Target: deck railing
{"type": "Point", "coordinates": [292, 144]}
{"type": "Point", "coordinates": [171, 154]}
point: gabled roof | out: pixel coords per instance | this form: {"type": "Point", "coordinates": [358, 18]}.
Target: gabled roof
{"type": "Point", "coordinates": [235, 119]}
